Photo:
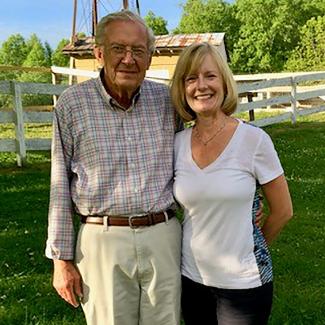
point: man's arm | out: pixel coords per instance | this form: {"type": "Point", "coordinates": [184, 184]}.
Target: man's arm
{"type": "Point", "coordinates": [60, 243]}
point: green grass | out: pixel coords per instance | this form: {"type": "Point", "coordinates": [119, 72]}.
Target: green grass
{"type": "Point", "coordinates": [32, 130]}
{"type": "Point", "coordinates": [299, 253]}
{"type": "Point", "coordinates": [26, 293]}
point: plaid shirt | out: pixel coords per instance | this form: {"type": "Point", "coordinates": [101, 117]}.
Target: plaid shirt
{"type": "Point", "coordinates": [108, 161]}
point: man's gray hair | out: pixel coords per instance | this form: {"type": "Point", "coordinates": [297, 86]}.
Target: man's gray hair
{"type": "Point", "coordinates": [124, 15]}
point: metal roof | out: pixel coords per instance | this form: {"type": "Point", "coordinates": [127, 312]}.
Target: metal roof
{"type": "Point", "coordinates": [81, 46]}
{"type": "Point", "coordinates": [184, 40]}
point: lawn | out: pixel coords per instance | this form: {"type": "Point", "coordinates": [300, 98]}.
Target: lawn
{"type": "Point", "coordinates": [26, 294]}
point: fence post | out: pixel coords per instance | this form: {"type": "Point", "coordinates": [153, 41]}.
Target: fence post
{"type": "Point", "coordinates": [72, 65]}
{"type": "Point", "coordinates": [268, 95]}
{"type": "Point", "coordinates": [19, 123]}
{"type": "Point", "coordinates": [293, 100]}
{"type": "Point", "coordinates": [251, 111]}
{"type": "Point", "coordinates": [54, 82]}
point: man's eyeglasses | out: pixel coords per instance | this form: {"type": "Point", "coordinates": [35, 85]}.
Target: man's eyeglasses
{"type": "Point", "coordinates": [119, 50]}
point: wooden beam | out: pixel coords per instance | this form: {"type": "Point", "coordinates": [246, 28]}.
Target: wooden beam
{"type": "Point", "coordinates": [94, 17]}
{"type": "Point", "coordinates": [74, 19]}
{"type": "Point", "coordinates": [19, 124]}
{"type": "Point", "coordinates": [24, 69]}
{"type": "Point", "coordinates": [125, 4]}
{"type": "Point", "coordinates": [138, 7]}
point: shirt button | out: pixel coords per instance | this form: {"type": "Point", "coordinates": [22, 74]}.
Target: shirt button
{"type": "Point", "coordinates": [136, 190]}
{"type": "Point", "coordinates": [133, 165]}
{"type": "Point", "coordinates": [129, 139]}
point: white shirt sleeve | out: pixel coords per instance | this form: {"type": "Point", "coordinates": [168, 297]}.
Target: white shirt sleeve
{"type": "Point", "coordinates": [267, 165]}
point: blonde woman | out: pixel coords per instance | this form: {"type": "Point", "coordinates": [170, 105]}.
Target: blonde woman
{"type": "Point", "coordinates": [226, 265]}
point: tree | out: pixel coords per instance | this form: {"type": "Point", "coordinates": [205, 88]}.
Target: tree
{"type": "Point", "coordinates": [200, 16]}
{"type": "Point", "coordinates": [58, 58]}
{"type": "Point", "coordinates": [31, 41]}
{"type": "Point", "coordinates": [37, 57]}
{"type": "Point", "coordinates": [269, 31]}
{"type": "Point", "coordinates": [309, 55]}
{"type": "Point", "coordinates": [288, 26]}
{"type": "Point", "coordinates": [48, 54]}
{"type": "Point", "coordinates": [252, 51]}
{"type": "Point", "coordinates": [13, 50]}
{"type": "Point", "coordinates": [157, 23]}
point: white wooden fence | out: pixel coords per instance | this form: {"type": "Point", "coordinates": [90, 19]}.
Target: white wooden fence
{"type": "Point", "coordinates": [279, 91]}
{"type": "Point", "coordinates": [283, 91]}
{"type": "Point", "coordinates": [19, 117]}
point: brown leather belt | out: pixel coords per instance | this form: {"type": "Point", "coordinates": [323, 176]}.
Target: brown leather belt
{"type": "Point", "coordinates": [131, 221]}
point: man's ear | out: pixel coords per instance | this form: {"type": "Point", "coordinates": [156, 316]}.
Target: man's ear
{"type": "Point", "coordinates": [149, 61]}
{"type": "Point", "coordinates": [99, 54]}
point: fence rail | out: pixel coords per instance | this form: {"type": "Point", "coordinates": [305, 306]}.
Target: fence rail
{"type": "Point", "coordinates": [262, 91]}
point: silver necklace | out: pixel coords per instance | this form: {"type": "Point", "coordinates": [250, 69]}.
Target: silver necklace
{"type": "Point", "coordinates": [199, 137]}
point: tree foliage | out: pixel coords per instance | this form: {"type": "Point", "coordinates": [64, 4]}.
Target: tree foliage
{"type": "Point", "coordinates": [309, 55]}
{"type": "Point", "coordinates": [268, 32]}
{"type": "Point", "coordinates": [13, 51]}
{"type": "Point", "coordinates": [48, 54]}
{"type": "Point", "coordinates": [37, 56]}
{"type": "Point", "coordinates": [200, 16]}
{"type": "Point", "coordinates": [31, 41]}
{"type": "Point", "coordinates": [253, 49]}
{"type": "Point", "coordinates": [157, 23]}
{"type": "Point", "coordinates": [58, 58]}
{"type": "Point", "coordinates": [260, 35]}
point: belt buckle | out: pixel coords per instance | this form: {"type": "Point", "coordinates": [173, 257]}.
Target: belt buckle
{"type": "Point", "coordinates": [130, 222]}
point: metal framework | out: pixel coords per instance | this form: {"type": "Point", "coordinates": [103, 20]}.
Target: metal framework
{"type": "Point", "coordinates": [94, 16]}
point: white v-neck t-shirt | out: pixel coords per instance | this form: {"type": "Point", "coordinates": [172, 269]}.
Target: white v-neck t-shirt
{"type": "Point", "coordinates": [219, 244]}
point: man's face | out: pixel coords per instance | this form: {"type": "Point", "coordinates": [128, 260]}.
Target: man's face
{"type": "Point", "coordinates": [125, 57]}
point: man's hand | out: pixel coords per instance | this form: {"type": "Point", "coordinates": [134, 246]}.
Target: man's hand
{"type": "Point", "coordinates": [67, 281]}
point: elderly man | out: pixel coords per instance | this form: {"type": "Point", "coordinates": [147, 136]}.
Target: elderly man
{"type": "Point", "coordinates": [112, 165]}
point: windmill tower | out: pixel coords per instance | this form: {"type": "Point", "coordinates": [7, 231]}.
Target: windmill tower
{"type": "Point", "coordinates": [126, 5]}
{"type": "Point", "coordinates": [137, 5]}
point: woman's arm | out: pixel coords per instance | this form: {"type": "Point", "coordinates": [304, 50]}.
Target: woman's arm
{"type": "Point", "coordinates": [278, 198]}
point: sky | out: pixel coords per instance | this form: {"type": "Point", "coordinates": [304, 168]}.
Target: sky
{"type": "Point", "coordinates": [51, 20]}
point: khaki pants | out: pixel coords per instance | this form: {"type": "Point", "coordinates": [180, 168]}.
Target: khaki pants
{"type": "Point", "coordinates": [130, 276]}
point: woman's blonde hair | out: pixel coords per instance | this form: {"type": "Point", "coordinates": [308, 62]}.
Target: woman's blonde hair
{"type": "Point", "coordinates": [189, 62]}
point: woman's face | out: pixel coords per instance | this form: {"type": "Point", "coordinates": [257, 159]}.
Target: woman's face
{"type": "Point", "coordinates": [204, 91]}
